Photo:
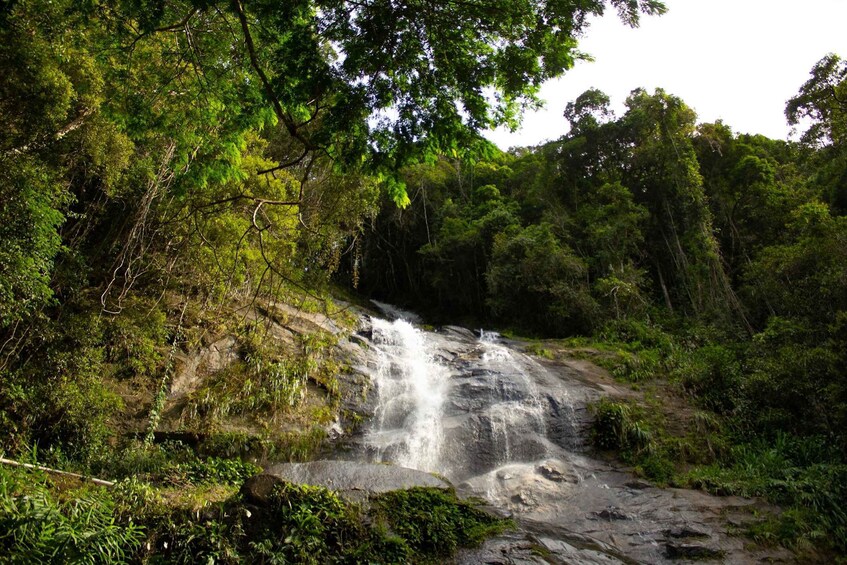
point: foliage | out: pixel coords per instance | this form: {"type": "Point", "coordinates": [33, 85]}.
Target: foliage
{"type": "Point", "coordinates": [265, 383]}
{"type": "Point", "coordinates": [614, 428]}
{"type": "Point", "coordinates": [536, 282]}
{"type": "Point", "coordinates": [800, 473]}
{"type": "Point", "coordinates": [713, 375]}
{"type": "Point", "coordinates": [822, 103]}
{"type": "Point", "coordinates": [37, 526]}
{"type": "Point", "coordinates": [28, 223]}
{"type": "Point", "coordinates": [160, 159]}
{"type": "Point", "coordinates": [200, 517]}
{"type": "Point", "coordinates": [59, 398]}
{"type": "Point", "coordinates": [433, 522]}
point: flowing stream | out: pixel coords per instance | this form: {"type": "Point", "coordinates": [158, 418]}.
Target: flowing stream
{"type": "Point", "coordinates": [501, 425]}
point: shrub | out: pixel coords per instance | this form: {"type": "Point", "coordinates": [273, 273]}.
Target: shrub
{"type": "Point", "coordinates": [434, 522]}
{"type": "Point", "coordinates": [713, 376]}
{"type": "Point", "coordinates": [614, 428]}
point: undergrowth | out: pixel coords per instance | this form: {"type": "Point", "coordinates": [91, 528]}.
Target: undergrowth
{"type": "Point", "coordinates": [715, 445]}
{"type": "Point", "coordinates": [206, 520]}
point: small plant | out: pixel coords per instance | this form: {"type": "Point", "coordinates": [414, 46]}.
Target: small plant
{"type": "Point", "coordinates": [615, 429]}
{"type": "Point", "coordinates": [217, 470]}
{"type": "Point", "coordinates": [644, 365]}
{"type": "Point", "coordinates": [539, 351]}
{"type": "Point", "coordinates": [35, 526]}
{"type": "Point", "coordinates": [800, 474]}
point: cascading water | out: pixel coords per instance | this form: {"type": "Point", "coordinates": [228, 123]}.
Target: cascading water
{"type": "Point", "coordinates": [515, 402]}
{"type": "Point", "coordinates": [411, 390]}
{"type": "Point", "coordinates": [457, 413]}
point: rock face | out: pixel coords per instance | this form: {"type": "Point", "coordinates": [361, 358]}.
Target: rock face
{"type": "Point", "coordinates": [453, 404]}
{"type": "Point", "coordinates": [352, 480]}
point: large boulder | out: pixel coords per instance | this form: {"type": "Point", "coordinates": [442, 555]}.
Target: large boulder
{"type": "Point", "coordinates": [353, 481]}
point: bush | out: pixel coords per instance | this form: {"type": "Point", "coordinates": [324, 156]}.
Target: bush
{"type": "Point", "coordinates": [434, 522]}
{"type": "Point", "coordinates": [801, 474]}
{"type": "Point", "coordinates": [539, 283]}
{"type": "Point", "coordinates": [55, 395]}
{"type": "Point", "coordinates": [614, 428]}
{"type": "Point", "coordinates": [713, 376]}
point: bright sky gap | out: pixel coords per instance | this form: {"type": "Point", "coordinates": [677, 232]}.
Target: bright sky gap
{"type": "Point", "coordinates": [734, 60]}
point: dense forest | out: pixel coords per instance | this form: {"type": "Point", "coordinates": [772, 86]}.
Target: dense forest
{"type": "Point", "coordinates": [164, 163]}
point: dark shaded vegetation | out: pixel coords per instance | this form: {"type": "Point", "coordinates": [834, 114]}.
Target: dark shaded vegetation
{"type": "Point", "coordinates": [170, 173]}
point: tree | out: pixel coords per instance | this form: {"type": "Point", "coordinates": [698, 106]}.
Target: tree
{"type": "Point", "coordinates": [752, 184]}
{"type": "Point", "coordinates": [420, 71]}
{"type": "Point", "coordinates": [823, 101]}
{"type": "Point", "coordinates": [664, 176]}
{"type": "Point", "coordinates": [122, 106]}
{"type": "Point", "coordinates": [536, 283]}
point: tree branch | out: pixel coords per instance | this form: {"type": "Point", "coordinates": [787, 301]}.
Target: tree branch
{"type": "Point", "coordinates": [283, 116]}
{"type": "Point", "coordinates": [73, 125]}
{"type": "Point", "coordinates": [286, 165]}
{"type": "Point", "coordinates": [100, 482]}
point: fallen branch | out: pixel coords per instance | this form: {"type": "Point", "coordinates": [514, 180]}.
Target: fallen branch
{"type": "Point", "coordinates": [96, 481]}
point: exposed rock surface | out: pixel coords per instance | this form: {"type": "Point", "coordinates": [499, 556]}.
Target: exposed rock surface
{"type": "Point", "coordinates": [350, 479]}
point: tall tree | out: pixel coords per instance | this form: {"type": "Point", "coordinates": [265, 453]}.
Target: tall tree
{"type": "Point", "coordinates": [822, 100]}
{"type": "Point", "coordinates": [115, 107]}
{"type": "Point", "coordinates": [664, 176]}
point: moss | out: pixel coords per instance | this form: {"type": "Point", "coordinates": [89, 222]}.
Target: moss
{"type": "Point", "coordinates": [433, 522]}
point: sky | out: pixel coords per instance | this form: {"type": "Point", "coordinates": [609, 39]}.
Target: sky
{"type": "Point", "coordinates": [735, 60]}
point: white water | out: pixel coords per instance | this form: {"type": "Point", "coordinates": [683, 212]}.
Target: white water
{"type": "Point", "coordinates": [516, 404]}
{"type": "Point", "coordinates": [411, 388]}
{"type": "Point", "coordinates": [483, 411]}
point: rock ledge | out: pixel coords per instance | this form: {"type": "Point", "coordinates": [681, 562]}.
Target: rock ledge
{"type": "Point", "coordinates": [351, 480]}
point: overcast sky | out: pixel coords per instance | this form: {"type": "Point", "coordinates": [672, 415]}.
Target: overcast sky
{"type": "Point", "coordinates": [736, 60]}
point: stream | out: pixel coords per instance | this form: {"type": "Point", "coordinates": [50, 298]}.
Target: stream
{"type": "Point", "coordinates": [513, 430]}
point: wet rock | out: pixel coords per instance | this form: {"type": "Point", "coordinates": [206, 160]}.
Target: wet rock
{"type": "Point", "coordinates": [560, 551]}
{"type": "Point", "coordinates": [525, 498]}
{"type": "Point", "coordinates": [394, 313]}
{"type": "Point", "coordinates": [685, 533]}
{"type": "Point", "coordinates": [611, 513]}
{"type": "Point", "coordinates": [638, 484]}
{"type": "Point", "coordinates": [691, 551]}
{"type": "Point", "coordinates": [350, 479]}
{"type": "Point", "coordinates": [563, 427]}
{"type": "Point", "coordinates": [555, 473]}
{"type": "Point", "coordinates": [513, 431]}
{"type": "Point", "coordinates": [459, 332]}
{"type": "Point", "coordinates": [506, 549]}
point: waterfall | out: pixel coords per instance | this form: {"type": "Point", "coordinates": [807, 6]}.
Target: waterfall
{"type": "Point", "coordinates": [509, 428]}
{"type": "Point", "coordinates": [411, 388]}
{"type": "Point", "coordinates": [455, 404]}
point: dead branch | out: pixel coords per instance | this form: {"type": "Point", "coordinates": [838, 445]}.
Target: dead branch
{"type": "Point", "coordinates": [101, 482]}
